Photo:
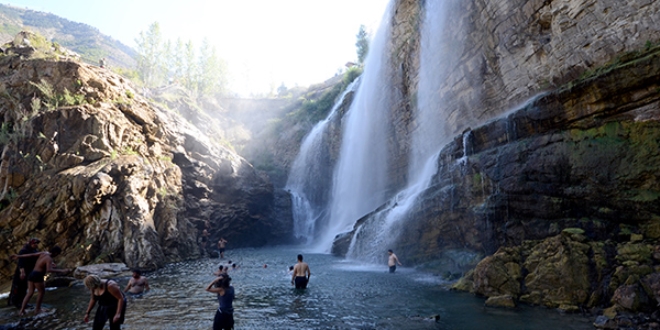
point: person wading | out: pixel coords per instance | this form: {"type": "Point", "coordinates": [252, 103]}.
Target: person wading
{"type": "Point", "coordinates": [301, 274]}
{"type": "Point", "coordinates": [19, 285]}
{"type": "Point", "coordinates": [112, 303]}
{"type": "Point", "coordinates": [44, 264]}
{"type": "Point", "coordinates": [392, 261]}
{"type": "Point", "coordinates": [224, 316]}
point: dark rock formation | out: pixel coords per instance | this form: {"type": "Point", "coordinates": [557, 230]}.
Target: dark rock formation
{"type": "Point", "coordinates": [90, 165]}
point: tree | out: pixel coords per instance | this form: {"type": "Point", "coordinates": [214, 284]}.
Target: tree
{"type": "Point", "coordinates": [362, 44]}
{"type": "Point", "coordinates": [178, 66]}
{"type": "Point", "coordinates": [168, 61]}
{"type": "Point", "coordinates": [149, 51]}
{"type": "Point", "coordinates": [281, 91]}
{"type": "Point", "coordinates": [209, 70]}
{"type": "Point", "coordinates": [190, 67]}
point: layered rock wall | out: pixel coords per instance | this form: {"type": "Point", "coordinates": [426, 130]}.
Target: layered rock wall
{"type": "Point", "coordinates": [90, 165]}
{"type": "Point", "coordinates": [504, 52]}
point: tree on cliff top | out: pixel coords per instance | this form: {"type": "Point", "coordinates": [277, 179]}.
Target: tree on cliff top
{"type": "Point", "coordinates": [150, 55]}
{"type": "Point", "coordinates": [362, 44]}
{"type": "Point", "coordinates": [200, 71]}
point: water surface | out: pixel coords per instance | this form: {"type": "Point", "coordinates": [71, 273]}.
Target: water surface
{"type": "Point", "coordinates": [341, 295]}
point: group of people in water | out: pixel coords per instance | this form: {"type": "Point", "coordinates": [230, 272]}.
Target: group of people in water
{"type": "Point", "coordinates": [34, 265]}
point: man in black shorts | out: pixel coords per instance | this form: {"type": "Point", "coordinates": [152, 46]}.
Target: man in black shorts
{"type": "Point", "coordinates": [45, 264]}
{"type": "Point", "coordinates": [221, 247]}
{"type": "Point", "coordinates": [301, 274]}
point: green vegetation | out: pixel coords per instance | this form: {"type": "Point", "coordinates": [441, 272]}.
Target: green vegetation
{"type": "Point", "coordinates": [129, 151]}
{"type": "Point", "coordinates": [161, 62]}
{"type": "Point", "coordinates": [52, 100]}
{"type": "Point", "coordinates": [10, 29]}
{"type": "Point", "coordinates": [167, 159]}
{"type": "Point", "coordinates": [314, 110]}
{"type": "Point", "coordinates": [624, 59]}
{"type": "Point", "coordinates": [362, 44]}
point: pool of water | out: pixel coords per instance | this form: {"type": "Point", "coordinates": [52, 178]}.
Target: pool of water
{"type": "Point", "coordinates": [341, 295]}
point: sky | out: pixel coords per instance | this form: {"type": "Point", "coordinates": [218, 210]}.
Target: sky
{"type": "Point", "coordinates": [265, 42]}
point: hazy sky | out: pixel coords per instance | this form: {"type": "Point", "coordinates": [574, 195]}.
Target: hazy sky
{"type": "Point", "coordinates": [265, 42]}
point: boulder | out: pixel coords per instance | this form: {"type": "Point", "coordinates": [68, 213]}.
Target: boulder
{"type": "Point", "coordinates": [107, 270]}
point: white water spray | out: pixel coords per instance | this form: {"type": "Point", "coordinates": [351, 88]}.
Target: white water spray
{"type": "Point", "coordinates": [429, 135]}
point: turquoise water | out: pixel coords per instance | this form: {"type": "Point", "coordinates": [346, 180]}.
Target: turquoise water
{"type": "Point", "coordinates": [341, 295]}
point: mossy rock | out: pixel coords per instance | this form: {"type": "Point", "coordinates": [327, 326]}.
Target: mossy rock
{"type": "Point", "coordinates": [577, 231]}
{"type": "Point", "coordinates": [571, 309]}
{"type": "Point", "coordinates": [465, 283]}
{"type": "Point", "coordinates": [639, 252]}
{"type": "Point", "coordinates": [651, 229]}
{"type": "Point", "coordinates": [505, 301]}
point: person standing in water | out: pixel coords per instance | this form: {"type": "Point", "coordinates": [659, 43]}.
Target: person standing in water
{"type": "Point", "coordinates": [224, 316]}
{"type": "Point", "coordinates": [392, 261]}
{"type": "Point", "coordinates": [112, 303]}
{"type": "Point", "coordinates": [204, 238]}
{"type": "Point", "coordinates": [301, 274]}
{"type": "Point", "coordinates": [221, 247]}
{"type": "Point", "coordinates": [44, 264]}
{"type": "Point", "coordinates": [19, 285]}
{"type": "Point", "coordinates": [137, 284]}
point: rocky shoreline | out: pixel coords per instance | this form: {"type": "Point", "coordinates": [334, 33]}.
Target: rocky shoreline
{"type": "Point", "coordinates": [616, 282]}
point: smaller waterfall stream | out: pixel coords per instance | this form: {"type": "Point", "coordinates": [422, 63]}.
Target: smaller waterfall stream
{"type": "Point", "coordinates": [359, 179]}
{"type": "Point", "coordinates": [308, 171]}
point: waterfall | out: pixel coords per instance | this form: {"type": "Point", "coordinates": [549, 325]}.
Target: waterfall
{"type": "Point", "coordinates": [310, 173]}
{"type": "Point", "coordinates": [360, 177]}
{"type": "Point", "coordinates": [360, 180]}
{"type": "Point", "coordinates": [436, 62]}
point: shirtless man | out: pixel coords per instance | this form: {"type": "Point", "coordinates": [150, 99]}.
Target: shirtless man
{"type": "Point", "coordinates": [204, 238]}
{"type": "Point", "coordinates": [221, 246]}
{"type": "Point", "coordinates": [137, 284]}
{"type": "Point", "coordinates": [301, 274]}
{"type": "Point", "coordinates": [44, 264]}
{"type": "Point", "coordinates": [392, 261]}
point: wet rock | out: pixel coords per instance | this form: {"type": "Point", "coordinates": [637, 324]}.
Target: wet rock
{"type": "Point", "coordinates": [499, 274]}
{"type": "Point", "coordinates": [604, 322]}
{"type": "Point", "coordinates": [651, 286]}
{"type": "Point", "coordinates": [465, 283]}
{"type": "Point", "coordinates": [630, 297]}
{"type": "Point", "coordinates": [558, 272]}
{"type": "Point", "coordinates": [107, 270]}
{"type": "Point", "coordinates": [60, 281]}
{"type": "Point", "coordinates": [505, 301]}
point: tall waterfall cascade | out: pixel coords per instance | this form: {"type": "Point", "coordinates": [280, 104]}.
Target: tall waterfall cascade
{"type": "Point", "coordinates": [359, 178]}
{"type": "Point", "coordinates": [428, 137]}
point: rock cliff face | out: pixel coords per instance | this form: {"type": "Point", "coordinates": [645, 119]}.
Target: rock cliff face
{"type": "Point", "coordinates": [501, 53]}
{"type": "Point", "coordinates": [554, 109]}
{"type": "Point", "coordinates": [544, 154]}
{"type": "Point", "coordinates": [90, 165]}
